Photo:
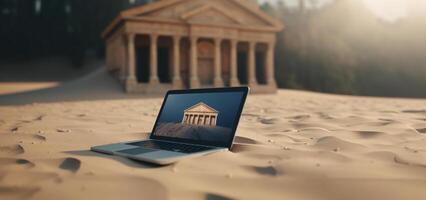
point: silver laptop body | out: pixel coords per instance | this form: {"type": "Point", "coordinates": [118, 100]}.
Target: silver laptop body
{"type": "Point", "coordinates": [190, 123]}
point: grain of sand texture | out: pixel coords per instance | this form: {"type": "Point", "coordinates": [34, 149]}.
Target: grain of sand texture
{"type": "Point", "coordinates": [292, 145]}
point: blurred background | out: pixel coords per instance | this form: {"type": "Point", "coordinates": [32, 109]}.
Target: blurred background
{"type": "Point", "coordinates": [356, 47]}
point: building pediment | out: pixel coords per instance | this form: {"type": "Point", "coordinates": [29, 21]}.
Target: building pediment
{"type": "Point", "coordinates": [230, 13]}
{"type": "Point", "coordinates": [209, 14]}
{"type": "Point", "coordinates": [202, 108]}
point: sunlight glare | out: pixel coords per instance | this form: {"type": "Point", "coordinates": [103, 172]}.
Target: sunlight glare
{"type": "Point", "coordinates": [390, 10]}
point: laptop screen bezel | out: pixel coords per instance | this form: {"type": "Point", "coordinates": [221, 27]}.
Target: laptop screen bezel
{"type": "Point", "coordinates": [227, 144]}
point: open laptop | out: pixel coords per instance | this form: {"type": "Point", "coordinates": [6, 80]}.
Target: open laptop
{"type": "Point", "coordinates": [190, 123]}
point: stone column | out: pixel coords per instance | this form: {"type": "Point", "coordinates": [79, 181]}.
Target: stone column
{"type": "Point", "coordinates": [207, 119]}
{"type": "Point", "coordinates": [185, 116]}
{"type": "Point", "coordinates": [218, 82]}
{"type": "Point", "coordinates": [131, 66]}
{"type": "Point", "coordinates": [196, 119]}
{"type": "Point", "coordinates": [252, 64]}
{"type": "Point", "coordinates": [123, 69]}
{"type": "Point", "coordinates": [234, 71]}
{"type": "Point", "coordinates": [193, 79]}
{"type": "Point", "coordinates": [153, 78]}
{"type": "Point", "coordinates": [177, 81]}
{"type": "Point", "coordinates": [269, 65]}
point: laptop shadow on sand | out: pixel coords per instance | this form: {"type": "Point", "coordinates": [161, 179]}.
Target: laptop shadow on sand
{"type": "Point", "coordinates": [123, 160]}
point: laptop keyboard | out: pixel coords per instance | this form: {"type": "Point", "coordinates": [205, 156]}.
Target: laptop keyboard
{"type": "Point", "coordinates": [170, 146]}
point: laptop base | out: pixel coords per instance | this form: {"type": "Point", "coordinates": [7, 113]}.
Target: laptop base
{"type": "Point", "coordinates": [157, 156]}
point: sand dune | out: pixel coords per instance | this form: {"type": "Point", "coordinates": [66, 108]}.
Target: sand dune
{"type": "Point", "coordinates": [293, 145]}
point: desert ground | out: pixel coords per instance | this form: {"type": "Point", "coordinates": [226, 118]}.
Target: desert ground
{"type": "Point", "coordinates": [291, 145]}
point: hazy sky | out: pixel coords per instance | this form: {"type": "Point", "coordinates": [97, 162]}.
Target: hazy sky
{"type": "Point", "coordinates": [292, 3]}
{"type": "Point", "coordinates": [390, 10]}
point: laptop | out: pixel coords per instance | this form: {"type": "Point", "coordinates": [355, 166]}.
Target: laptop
{"type": "Point", "coordinates": [190, 123]}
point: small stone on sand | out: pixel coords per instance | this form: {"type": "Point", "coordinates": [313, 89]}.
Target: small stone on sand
{"type": "Point", "coordinates": [59, 180]}
{"type": "Point", "coordinates": [90, 173]}
{"type": "Point", "coordinates": [39, 118]}
{"type": "Point", "coordinates": [63, 130]}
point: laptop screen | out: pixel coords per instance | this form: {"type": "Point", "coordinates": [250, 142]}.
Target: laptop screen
{"type": "Point", "coordinates": [208, 118]}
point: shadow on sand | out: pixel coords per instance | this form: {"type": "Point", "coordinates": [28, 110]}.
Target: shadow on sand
{"type": "Point", "coordinates": [98, 85]}
{"type": "Point", "coordinates": [123, 160]}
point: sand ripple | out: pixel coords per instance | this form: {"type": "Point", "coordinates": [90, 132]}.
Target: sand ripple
{"type": "Point", "coordinates": [11, 162]}
{"type": "Point", "coordinates": [12, 149]}
{"type": "Point", "coordinates": [268, 171]}
{"type": "Point", "coordinates": [422, 130]}
{"type": "Point", "coordinates": [16, 192]}
{"type": "Point", "coordinates": [70, 164]}
{"type": "Point", "coordinates": [335, 143]}
{"type": "Point", "coordinates": [211, 196]}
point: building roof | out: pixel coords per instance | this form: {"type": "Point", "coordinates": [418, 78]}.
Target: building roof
{"type": "Point", "coordinates": [201, 107]}
{"type": "Point", "coordinates": [239, 13]}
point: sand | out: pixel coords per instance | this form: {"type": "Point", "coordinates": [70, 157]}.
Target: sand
{"type": "Point", "coordinates": [18, 87]}
{"type": "Point", "coordinates": [292, 145]}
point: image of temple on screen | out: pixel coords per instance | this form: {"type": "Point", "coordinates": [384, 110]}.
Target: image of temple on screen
{"type": "Point", "coordinates": [206, 117]}
{"type": "Point", "coordinates": [200, 114]}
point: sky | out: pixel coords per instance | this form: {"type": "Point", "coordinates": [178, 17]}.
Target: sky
{"type": "Point", "coordinates": [226, 103]}
{"type": "Point", "coordinates": [390, 10]}
{"type": "Point", "coordinates": [292, 3]}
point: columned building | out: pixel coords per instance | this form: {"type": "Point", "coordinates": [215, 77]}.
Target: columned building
{"type": "Point", "coordinates": [200, 114]}
{"type": "Point", "coordinates": [177, 44]}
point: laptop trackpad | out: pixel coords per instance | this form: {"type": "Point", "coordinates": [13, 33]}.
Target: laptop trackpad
{"type": "Point", "coordinates": [136, 151]}
{"type": "Point", "coordinates": [151, 153]}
